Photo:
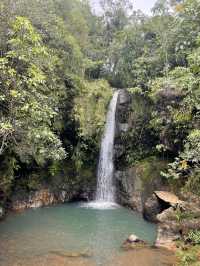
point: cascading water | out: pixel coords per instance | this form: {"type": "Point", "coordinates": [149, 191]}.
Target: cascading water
{"type": "Point", "coordinates": [105, 185]}
{"type": "Point", "coordinates": [105, 194]}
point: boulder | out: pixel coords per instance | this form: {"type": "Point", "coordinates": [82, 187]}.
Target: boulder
{"type": "Point", "coordinates": [136, 184]}
{"type": "Point", "coordinates": [166, 215]}
{"type": "Point", "coordinates": [167, 234]}
{"type": "Point", "coordinates": [168, 197]}
{"type": "Point", "coordinates": [129, 187]}
{"type": "Point", "coordinates": [133, 241]}
{"type": "Point", "coordinates": [152, 208]}
{"type": "Point", "coordinates": [133, 238]}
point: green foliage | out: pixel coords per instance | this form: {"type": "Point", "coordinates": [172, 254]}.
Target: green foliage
{"type": "Point", "coordinates": [27, 92]}
{"type": "Point", "coordinates": [139, 139]}
{"type": "Point", "coordinates": [91, 106]}
{"type": "Point", "coordinates": [188, 249]}
{"type": "Point", "coordinates": [192, 147]}
{"type": "Point", "coordinates": [193, 237]}
{"type": "Point", "coordinates": [90, 113]}
{"type": "Point", "coordinates": [187, 164]}
{"type": "Point", "coordinates": [53, 103]}
{"type": "Point", "coordinates": [150, 168]}
{"type": "Point", "coordinates": [46, 49]}
{"type": "Point", "coordinates": [188, 258]}
{"type": "Point", "coordinates": [193, 182]}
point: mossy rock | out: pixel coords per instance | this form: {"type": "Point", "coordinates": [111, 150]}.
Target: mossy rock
{"type": "Point", "coordinates": [149, 169]}
{"type": "Point", "coordinates": [138, 183]}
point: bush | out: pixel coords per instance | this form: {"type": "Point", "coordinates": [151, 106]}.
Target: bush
{"type": "Point", "coordinates": [193, 237]}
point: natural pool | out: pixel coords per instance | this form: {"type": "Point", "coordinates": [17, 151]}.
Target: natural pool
{"type": "Point", "coordinates": [69, 228]}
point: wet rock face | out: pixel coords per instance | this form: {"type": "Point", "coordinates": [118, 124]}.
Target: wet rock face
{"type": "Point", "coordinates": [129, 189]}
{"type": "Point", "coordinates": [175, 218]}
{"type": "Point", "coordinates": [122, 117]}
{"type": "Point", "coordinates": [167, 234]}
{"type": "Point", "coordinates": [134, 184]}
{"type": "Point", "coordinates": [134, 191]}
{"type": "Point", "coordinates": [166, 215]}
{"type": "Point", "coordinates": [124, 97]}
{"type": "Point", "coordinates": [152, 208]}
{"type": "Point", "coordinates": [161, 208]}
{"type": "Point", "coordinates": [41, 198]}
{"type": "Point", "coordinates": [2, 212]}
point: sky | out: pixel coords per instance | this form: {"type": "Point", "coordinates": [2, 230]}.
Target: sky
{"type": "Point", "coordinates": [144, 5]}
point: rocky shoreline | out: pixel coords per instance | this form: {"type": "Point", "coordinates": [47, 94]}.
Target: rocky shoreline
{"type": "Point", "coordinates": [162, 207]}
{"type": "Point", "coordinates": [174, 217]}
{"type": "Point", "coordinates": [142, 189]}
{"type": "Point", "coordinates": [42, 198]}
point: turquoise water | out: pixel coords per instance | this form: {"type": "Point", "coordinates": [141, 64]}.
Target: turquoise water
{"type": "Point", "coordinates": [70, 227]}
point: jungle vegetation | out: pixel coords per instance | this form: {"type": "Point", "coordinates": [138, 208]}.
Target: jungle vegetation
{"type": "Point", "coordinates": [58, 62]}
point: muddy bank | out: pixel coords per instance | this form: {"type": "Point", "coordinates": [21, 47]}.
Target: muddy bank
{"type": "Point", "coordinates": [50, 260]}
{"type": "Point", "coordinates": [145, 257]}
{"type": "Point", "coordinates": [137, 257]}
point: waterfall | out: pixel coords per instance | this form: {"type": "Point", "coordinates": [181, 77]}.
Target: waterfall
{"type": "Point", "coordinates": [105, 194]}
{"type": "Point", "coordinates": [105, 184]}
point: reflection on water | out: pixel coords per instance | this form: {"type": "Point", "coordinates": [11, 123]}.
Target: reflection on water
{"type": "Point", "coordinates": [32, 236]}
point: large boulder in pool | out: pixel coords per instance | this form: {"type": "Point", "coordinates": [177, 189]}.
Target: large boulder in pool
{"type": "Point", "coordinates": [152, 208]}
{"type": "Point", "coordinates": [133, 241]}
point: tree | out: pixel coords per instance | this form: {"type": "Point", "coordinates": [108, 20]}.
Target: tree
{"type": "Point", "coordinates": [29, 96]}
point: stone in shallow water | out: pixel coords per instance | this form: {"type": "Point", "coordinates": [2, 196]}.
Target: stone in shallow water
{"type": "Point", "coordinates": [69, 254]}
{"type": "Point", "coordinates": [133, 241]}
{"type": "Point", "coordinates": [133, 238]}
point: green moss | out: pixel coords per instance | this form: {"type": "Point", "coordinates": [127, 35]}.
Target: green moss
{"type": "Point", "coordinates": [91, 107]}
{"type": "Point", "coordinates": [150, 168]}
{"type": "Point", "coordinates": [139, 140]}
{"type": "Point", "coordinates": [188, 255]}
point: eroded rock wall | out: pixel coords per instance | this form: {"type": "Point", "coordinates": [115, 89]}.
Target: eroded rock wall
{"type": "Point", "coordinates": [136, 182]}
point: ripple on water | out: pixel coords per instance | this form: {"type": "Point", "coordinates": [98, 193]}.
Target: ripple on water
{"type": "Point", "coordinates": [100, 205]}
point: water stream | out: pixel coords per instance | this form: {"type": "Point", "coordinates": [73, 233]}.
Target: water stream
{"type": "Point", "coordinates": [105, 184]}
{"type": "Point", "coordinates": [105, 194]}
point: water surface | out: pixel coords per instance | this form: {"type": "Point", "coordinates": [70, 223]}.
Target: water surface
{"type": "Point", "coordinates": [36, 233]}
